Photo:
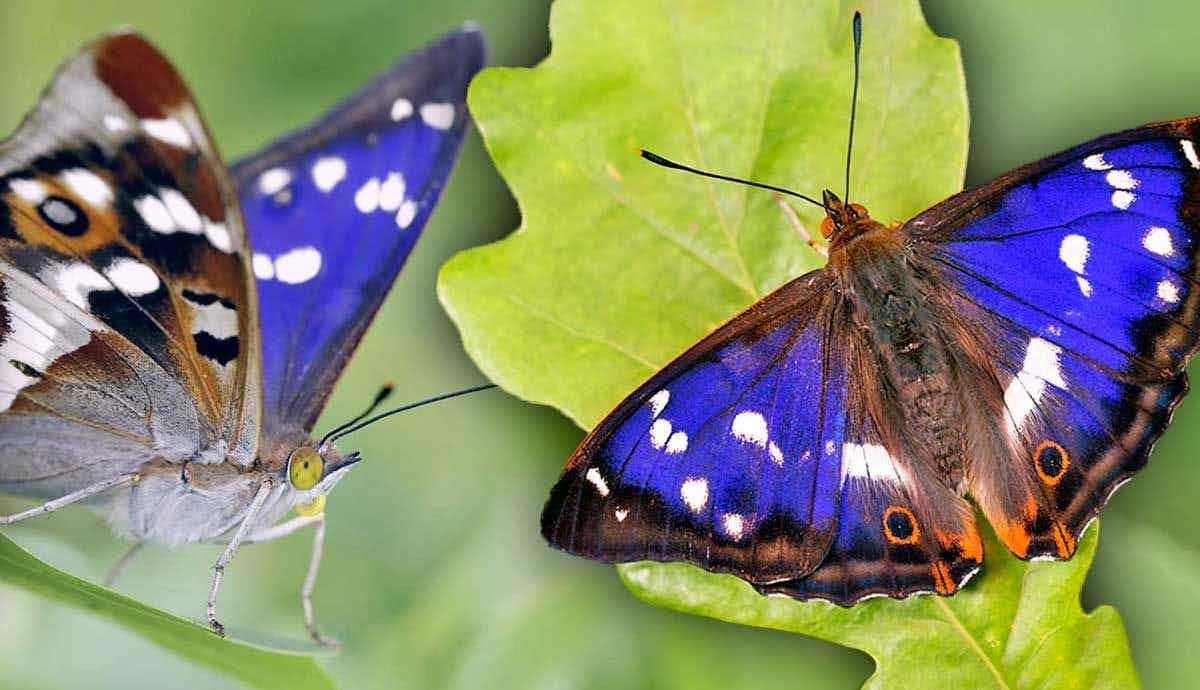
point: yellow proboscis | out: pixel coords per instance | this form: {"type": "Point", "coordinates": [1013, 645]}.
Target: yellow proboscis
{"type": "Point", "coordinates": [313, 507]}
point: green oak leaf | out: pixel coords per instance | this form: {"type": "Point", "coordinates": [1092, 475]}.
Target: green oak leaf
{"type": "Point", "coordinates": [1018, 625]}
{"type": "Point", "coordinates": [619, 265]}
{"type": "Point", "coordinates": [261, 664]}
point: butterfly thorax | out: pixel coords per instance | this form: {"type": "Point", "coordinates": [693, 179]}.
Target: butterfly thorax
{"type": "Point", "coordinates": [888, 299]}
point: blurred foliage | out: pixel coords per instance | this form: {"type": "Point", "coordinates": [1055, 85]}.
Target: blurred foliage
{"type": "Point", "coordinates": [435, 575]}
{"type": "Point", "coordinates": [619, 265]}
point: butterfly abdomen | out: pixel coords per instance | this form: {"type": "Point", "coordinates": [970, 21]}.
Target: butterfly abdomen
{"type": "Point", "coordinates": [917, 400]}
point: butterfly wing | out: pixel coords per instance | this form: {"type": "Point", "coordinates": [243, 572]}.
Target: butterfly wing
{"type": "Point", "coordinates": [1081, 269]}
{"type": "Point", "coordinates": [127, 299]}
{"type": "Point", "coordinates": [334, 210]}
{"type": "Point", "coordinates": [746, 455]}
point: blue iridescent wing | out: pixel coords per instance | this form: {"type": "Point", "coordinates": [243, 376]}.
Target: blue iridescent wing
{"type": "Point", "coordinates": [1081, 268]}
{"type": "Point", "coordinates": [751, 454]}
{"type": "Point", "coordinates": [333, 210]}
{"type": "Point", "coordinates": [729, 457]}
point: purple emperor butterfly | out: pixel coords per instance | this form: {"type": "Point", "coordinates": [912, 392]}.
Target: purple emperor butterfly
{"type": "Point", "coordinates": [164, 359]}
{"type": "Point", "coordinates": [822, 443]}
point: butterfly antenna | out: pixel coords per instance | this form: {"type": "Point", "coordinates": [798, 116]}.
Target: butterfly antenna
{"type": "Point", "coordinates": [384, 393]}
{"type": "Point", "coordinates": [853, 98]}
{"type": "Point", "coordinates": [659, 160]}
{"type": "Point", "coordinates": [355, 425]}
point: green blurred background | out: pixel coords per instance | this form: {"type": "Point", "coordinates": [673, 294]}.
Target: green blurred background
{"type": "Point", "coordinates": [435, 576]}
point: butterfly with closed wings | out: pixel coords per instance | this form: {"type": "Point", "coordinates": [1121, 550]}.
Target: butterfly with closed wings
{"type": "Point", "coordinates": [822, 443]}
{"type": "Point", "coordinates": [170, 330]}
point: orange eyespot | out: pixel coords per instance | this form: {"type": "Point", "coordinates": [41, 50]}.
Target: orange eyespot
{"type": "Point", "coordinates": [1051, 461]}
{"type": "Point", "coordinates": [900, 525]}
{"type": "Point", "coordinates": [827, 227]}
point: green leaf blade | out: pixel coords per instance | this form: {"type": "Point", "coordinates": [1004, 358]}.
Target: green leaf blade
{"type": "Point", "coordinates": [620, 265]}
{"type": "Point", "coordinates": [261, 663]}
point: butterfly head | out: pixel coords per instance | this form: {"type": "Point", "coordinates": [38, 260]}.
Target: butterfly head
{"type": "Point", "coordinates": [312, 472]}
{"type": "Point", "coordinates": [843, 220]}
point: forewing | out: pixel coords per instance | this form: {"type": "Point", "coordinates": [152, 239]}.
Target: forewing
{"type": "Point", "coordinates": [334, 210]}
{"type": "Point", "coordinates": [129, 308]}
{"type": "Point", "coordinates": [1082, 269]}
{"type": "Point", "coordinates": [729, 457]}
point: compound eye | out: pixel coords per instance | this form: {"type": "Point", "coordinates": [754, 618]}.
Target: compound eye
{"type": "Point", "coordinates": [305, 468]}
{"type": "Point", "coordinates": [827, 227]}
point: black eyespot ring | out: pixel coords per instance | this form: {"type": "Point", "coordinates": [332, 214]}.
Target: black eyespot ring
{"type": "Point", "coordinates": [63, 215]}
{"type": "Point", "coordinates": [1051, 461]}
{"type": "Point", "coordinates": [900, 525]}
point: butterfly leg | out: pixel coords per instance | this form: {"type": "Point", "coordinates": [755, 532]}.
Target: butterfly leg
{"type": "Point", "coordinates": [799, 227]}
{"type": "Point", "coordinates": [310, 580]}
{"type": "Point", "coordinates": [119, 567]}
{"type": "Point", "coordinates": [260, 497]}
{"type": "Point", "coordinates": [73, 497]}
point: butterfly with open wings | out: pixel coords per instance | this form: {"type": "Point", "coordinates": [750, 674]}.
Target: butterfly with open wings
{"type": "Point", "coordinates": [822, 443]}
{"type": "Point", "coordinates": [170, 331]}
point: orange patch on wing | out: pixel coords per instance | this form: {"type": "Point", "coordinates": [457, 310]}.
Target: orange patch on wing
{"type": "Point", "coordinates": [968, 543]}
{"type": "Point", "coordinates": [1063, 540]}
{"type": "Point", "coordinates": [942, 581]}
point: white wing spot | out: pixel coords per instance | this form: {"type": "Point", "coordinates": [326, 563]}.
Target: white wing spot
{"type": "Point", "coordinates": [298, 265]}
{"type": "Point", "coordinates": [168, 130]}
{"type": "Point", "coordinates": [327, 172]}
{"type": "Point", "coordinates": [1168, 291]}
{"type": "Point", "coordinates": [868, 461]}
{"type": "Point", "coordinates": [620, 514]}
{"type": "Point", "coordinates": [132, 277]}
{"type": "Point", "coordinates": [264, 268]}
{"type": "Point", "coordinates": [76, 281]}
{"type": "Point", "coordinates": [658, 402]}
{"type": "Point", "coordinates": [404, 217]}
{"type": "Point", "coordinates": [115, 123]}
{"type": "Point", "coordinates": [734, 525]}
{"type": "Point", "coordinates": [1074, 252]}
{"type": "Point", "coordinates": [391, 192]}
{"type": "Point", "coordinates": [1085, 286]}
{"type": "Point", "coordinates": [1096, 162]}
{"type": "Point", "coordinates": [775, 453]}
{"type": "Point", "coordinates": [597, 480]}
{"type": "Point", "coordinates": [401, 108]}
{"type": "Point", "coordinates": [88, 186]}
{"type": "Point", "coordinates": [182, 212]}
{"type": "Point", "coordinates": [694, 492]}
{"type": "Point", "coordinates": [274, 180]}
{"type": "Point", "coordinates": [1121, 179]}
{"type": "Point", "coordinates": [30, 190]}
{"type": "Point", "coordinates": [677, 444]}
{"type": "Point", "coordinates": [1025, 391]}
{"type": "Point", "coordinates": [660, 431]}
{"type": "Point", "coordinates": [830, 447]}
{"type": "Point", "coordinates": [438, 115]}
{"type": "Point", "coordinates": [218, 236]}
{"type": "Point", "coordinates": [1123, 199]}
{"type": "Point", "coordinates": [1158, 241]}
{"type": "Point", "coordinates": [366, 199]}
{"type": "Point", "coordinates": [750, 426]}
{"type": "Point", "coordinates": [1189, 151]}
{"type": "Point", "coordinates": [154, 212]}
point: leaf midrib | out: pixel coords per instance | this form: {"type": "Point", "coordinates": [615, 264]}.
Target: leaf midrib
{"type": "Point", "coordinates": [972, 643]}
